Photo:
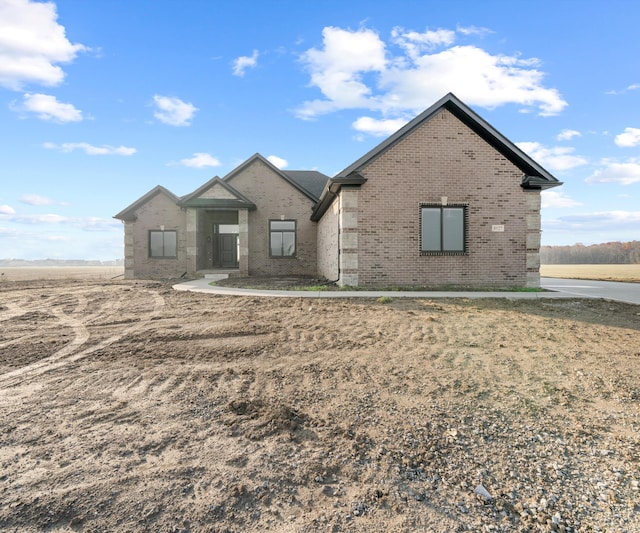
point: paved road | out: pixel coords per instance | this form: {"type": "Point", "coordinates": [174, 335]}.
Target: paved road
{"type": "Point", "coordinates": [610, 290]}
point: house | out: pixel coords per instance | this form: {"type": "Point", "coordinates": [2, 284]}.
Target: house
{"type": "Point", "coordinates": [445, 201]}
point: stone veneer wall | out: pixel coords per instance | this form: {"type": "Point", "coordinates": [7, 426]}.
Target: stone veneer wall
{"type": "Point", "coordinates": [129, 258]}
{"type": "Point", "coordinates": [349, 229]}
{"type": "Point", "coordinates": [443, 158]}
{"type": "Point", "coordinates": [533, 238]}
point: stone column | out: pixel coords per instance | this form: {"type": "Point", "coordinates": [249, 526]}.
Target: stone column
{"type": "Point", "coordinates": [191, 244]}
{"type": "Point", "coordinates": [348, 238]}
{"type": "Point", "coordinates": [243, 230]}
{"type": "Point", "coordinates": [533, 238]}
{"type": "Point", "coordinates": [129, 261]}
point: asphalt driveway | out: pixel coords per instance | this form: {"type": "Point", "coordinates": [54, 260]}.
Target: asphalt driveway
{"type": "Point", "coordinates": [582, 288]}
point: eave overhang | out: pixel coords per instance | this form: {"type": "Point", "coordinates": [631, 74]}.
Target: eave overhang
{"type": "Point", "coordinates": [128, 214]}
{"type": "Point", "coordinates": [536, 183]}
{"type": "Point", "coordinates": [331, 190]}
{"type": "Point", "coordinates": [217, 203]}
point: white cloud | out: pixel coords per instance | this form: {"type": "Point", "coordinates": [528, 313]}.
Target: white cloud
{"type": "Point", "coordinates": [337, 69]}
{"type": "Point", "coordinates": [357, 69]}
{"type": "Point", "coordinates": [47, 107]}
{"type": "Point", "coordinates": [48, 218]}
{"type": "Point", "coordinates": [242, 63]}
{"type": "Point", "coordinates": [598, 221]}
{"type": "Point", "coordinates": [35, 199]}
{"type": "Point", "coordinates": [200, 160]}
{"type": "Point", "coordinates": [473, 30]}
{"type": "Point", "coordinates": [96, 224]}
{"type": "Point", "coordinates": [82, 223]}
{"type": "Point", "coordinates": [90, 149]}
{"type": "Point", "coordinates": [630, 137]}
{"type": "Point", "coordinates": [615, 172]}
{"type": "Point", "coordinates": [378, 128]}
{"type": "Point", "coordinates": [173, 111]}
{"type": "Point", "coordinates": [632, 87]}
{"type": "Point", "coordinates": [555, 158]}
{"type": "Point", "coordinates": [476, 76]}
{"type": "Point", "coordinates": [415, 43]}
{"type": "Point", "coordinates": [277, 162]}
{"type": "Point", "coordinates": [554, 199]}
{"type": "Point", "coordinates": [32, 43]}
{"type": "Point", "coordinates": [567, 135]}
{"type": "Point", "coordinates": [7, 210]}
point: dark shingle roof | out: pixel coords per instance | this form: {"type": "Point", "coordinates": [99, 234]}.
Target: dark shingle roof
{"type": "Point", "coordinates": [310, 180]}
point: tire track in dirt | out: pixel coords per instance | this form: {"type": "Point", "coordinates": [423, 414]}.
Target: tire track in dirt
{"type": "Point", "coordinates": [70, 354]}
{"type": "Point", "coordinates": [15, 310]}
{"type": "Point", "coordinates": [9, 312]}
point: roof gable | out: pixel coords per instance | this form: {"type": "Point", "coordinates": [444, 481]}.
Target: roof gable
{"type": "Point", "coordinates": [303, 181]}
{"type": "Point", "coordinates": [216, 193]}
{"type": "Point", "coordinates": [535, 176]}
{"type": "Point", "coordinates": [129, 213]}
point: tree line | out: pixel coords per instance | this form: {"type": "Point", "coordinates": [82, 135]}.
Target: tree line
{"type": "Point", "coordinates": [611, 253]}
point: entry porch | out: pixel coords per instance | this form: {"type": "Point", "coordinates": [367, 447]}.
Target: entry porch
{"type": "Point", "coordinates": [218, 242]}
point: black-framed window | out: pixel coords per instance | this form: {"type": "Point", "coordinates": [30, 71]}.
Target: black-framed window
{"type": "Point", "coordinates": [443, 229]}
{"type": "Point", "coordinates": [282, 238]}
{"type": "Point", "coordinates": [163, 243]}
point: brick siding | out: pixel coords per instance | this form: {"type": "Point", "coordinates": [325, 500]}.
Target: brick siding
{"type": "Point", "coordinates": [445, 158]}
{"type": "Point", "coordinates": [276, 199]}
{"type": "Point", "coordinates": [158, 211]}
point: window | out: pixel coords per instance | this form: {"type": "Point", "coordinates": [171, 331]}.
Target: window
{"type": "Point", "coordinates": [163, 243]}
{"type": "Point", "coordinates": [443, 229]}
{"type": "Point", "coordinates": [282, 238]}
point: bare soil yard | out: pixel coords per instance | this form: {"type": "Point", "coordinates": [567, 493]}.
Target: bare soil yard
{"type": "Point", "coordinates": [128, 406]}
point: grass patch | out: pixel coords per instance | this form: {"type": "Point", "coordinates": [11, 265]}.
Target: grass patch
{"type": "Point", "coordinates": [630, 273]}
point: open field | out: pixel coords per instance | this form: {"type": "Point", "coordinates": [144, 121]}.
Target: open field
{"type": "Point", "coordinates": [63, 272]}
{"type": "Point", "coordinates": [598, 272]}
{"type": "Point", "coordinates": [128, 406]}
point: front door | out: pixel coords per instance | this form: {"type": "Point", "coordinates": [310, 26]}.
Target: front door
{"type": "Point", "coordinates": [228, 247]}
{"type": "Point", "coordinates": [225, 246]}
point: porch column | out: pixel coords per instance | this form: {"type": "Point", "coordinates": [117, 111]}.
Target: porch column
{"type": "Point", "coordinates": [191, 243]}
{"type": "Point", "coordinates": [243, 237]}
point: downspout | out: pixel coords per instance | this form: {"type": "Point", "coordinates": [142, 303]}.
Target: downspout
{"type": "Point", "coordinates": [332, 188]}
{"type": "Point", "coordinates": [339, 251]}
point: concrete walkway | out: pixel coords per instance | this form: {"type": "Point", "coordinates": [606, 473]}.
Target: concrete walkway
{"type": "Point", "coordinates": [202, 285]}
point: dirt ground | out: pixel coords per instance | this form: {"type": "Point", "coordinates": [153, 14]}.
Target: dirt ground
{"type": "Point", "coordinates": [128, 406]}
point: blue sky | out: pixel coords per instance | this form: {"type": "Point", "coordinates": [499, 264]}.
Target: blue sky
{"type": "Point", "coordinates": [101, 100]}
